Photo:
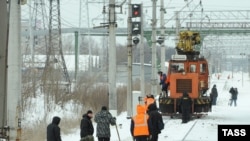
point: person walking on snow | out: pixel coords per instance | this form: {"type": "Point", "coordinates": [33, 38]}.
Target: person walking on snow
{"type": "Point", "coordinates": [104, 119]}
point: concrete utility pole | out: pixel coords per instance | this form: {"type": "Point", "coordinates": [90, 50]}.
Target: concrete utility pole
{"type": "Point", "coordinates": [177, 22]}
{"type": "Point", "coordinates": [142, 73]}
{"type": "Point", "coordinates": [242, 68]}
{"type": "Point", "coordinates": [163, 49]}
{"type": "Point", "coordinates": [89, 47]}
{"type": "Point", "coordinates": [76, 55]}
{"type": "Point", "coordinates": [129, 46]}
{"type": "Point", "coordinates": [112, 59]}
{"type": "Point", "coordinates": [154, 73]}
{"type": "Point", "coordinates": [14, 73]}
{"type": "Point", "coordinates": [3, 65]}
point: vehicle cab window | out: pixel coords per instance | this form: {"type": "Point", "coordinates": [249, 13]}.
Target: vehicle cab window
{"type": "Point", "coordinates": [192, 68]}
{"type": "Point", "coordinates": [177, 68]}
{"type": "Point", "coordinates": [203, 68]}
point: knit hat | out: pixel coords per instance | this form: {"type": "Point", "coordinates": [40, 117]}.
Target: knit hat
{"type": "Point", "coordinates": [104, 108]}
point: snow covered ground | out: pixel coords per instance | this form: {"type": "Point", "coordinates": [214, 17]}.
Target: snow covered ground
{"type": "Point", "coordinates": [205, 128]}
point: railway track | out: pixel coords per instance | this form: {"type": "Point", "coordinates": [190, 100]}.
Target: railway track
{"type": "Point", "coordinates": [188, 132]}
{"type": "Point", "coordinates": [183, 130]}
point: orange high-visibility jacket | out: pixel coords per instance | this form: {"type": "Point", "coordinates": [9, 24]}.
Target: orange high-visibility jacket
{"type": "Point", "coordinates": [140, 122]}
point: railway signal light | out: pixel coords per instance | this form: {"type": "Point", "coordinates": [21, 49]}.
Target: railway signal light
{"type": "Point", "coordinates": [136, 40]}
{"type": "Point", "coordinates": [160, 40]}
{"type": "Point", "coordinates": [136, 10]}
{"type": "Point", "coordinates": [136, 28]}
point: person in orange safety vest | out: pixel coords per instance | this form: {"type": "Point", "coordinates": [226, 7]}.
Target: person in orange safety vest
{"type": "Point", "coordinates": [139, 124]}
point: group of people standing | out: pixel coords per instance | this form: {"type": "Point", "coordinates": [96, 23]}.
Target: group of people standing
{"type": "Point", "coordinates": [103, 119]}
{"type": "Point", "coordinates": [233, 97]}
{"type": "Point", "coordinates": [147, 124]}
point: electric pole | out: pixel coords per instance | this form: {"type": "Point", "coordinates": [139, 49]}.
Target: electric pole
{"type": "Point", "coordinates": [112, 59]}
{"type": "Point", "coordinates": [3, 67]}
{"type": "Point", "coordinates": [142, 72]}
{"type": "Point", "coordinates": [55, 71]}
{"type": "Point", "coordinates": [14, 73]}
{"type": "Point", "coordinates": [84, 21]}
{"type": "Point", "coordinates": [37, 44]}
{"type": "Point", "coordinates": [129, 65]}
{"type": "Point", "coordinates": [154, 67]}
{"type": "Point", "coordinates": [163, 49]}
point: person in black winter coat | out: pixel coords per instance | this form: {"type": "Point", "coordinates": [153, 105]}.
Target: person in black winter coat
{"type": "Point", "coordinates": [53, 130]}
{"type": "Point", "coordinates": [234, 95]}
{"type": "Point", "coordinates": [104, 119]}
{"type": "Point", "coordinates": [185, 104]}
{"type": "Point", "coordinates": [214, 94]}
{"type": "Point", "coordinates": [86, 126]}
{"type": "Point", "coordinates": [154, 118]}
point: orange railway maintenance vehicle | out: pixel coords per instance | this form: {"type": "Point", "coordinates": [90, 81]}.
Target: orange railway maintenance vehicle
{"type": "Point", "coordinates": [187, 72]}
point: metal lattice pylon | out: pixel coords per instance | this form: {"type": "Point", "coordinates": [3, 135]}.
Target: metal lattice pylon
{"type": "Point", "coordinates": [84, 22]}
{"type": "Point", "coordinates": [36, 45]}
{"type": "Point", "coordinates": [55, 76]}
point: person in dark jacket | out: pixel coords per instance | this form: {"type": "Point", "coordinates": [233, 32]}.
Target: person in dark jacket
{"type": "Point", "coordinates": [185, 104]}
{"type": "Point", "coordinates": [153, 125]}
{"type": "Point", "coordinates": [53, 130]}
{"type": "Point", "coordinates": [164, 83]}
{"type": "Point", "coordinates": [214, 94]}
{"type": "Point", "coordinates": [104, 119]}
{"type": "Point", "coordinates": [86, 127]}
{"type": "Point", "coordinates": [234, 95]}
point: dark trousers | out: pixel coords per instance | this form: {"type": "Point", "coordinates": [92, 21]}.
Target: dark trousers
{"type": "Point", "coordinates": [185, 115]}
{"type": "Point", "coordinates": [233, 101]}
{"type": "Point", "coordinates": [214, 100]}
{"type": "Point", "coordinates": [141, 138]}
{"type": "Point", "coordinates": [165, 89]}
{"type": "Point", "coordinates": [154, 137]}
{"type": "Point", "coordinates": [104, 139]}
